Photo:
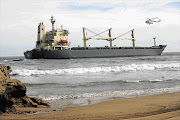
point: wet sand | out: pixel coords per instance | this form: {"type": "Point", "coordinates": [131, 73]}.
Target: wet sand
{"type": "Point", "coordinates": [155, 107]}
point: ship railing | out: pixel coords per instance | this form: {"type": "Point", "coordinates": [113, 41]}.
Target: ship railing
{"type": "Point", "coordinates": [107, 47]}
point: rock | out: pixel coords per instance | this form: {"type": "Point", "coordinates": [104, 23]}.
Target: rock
{"type": "Point", "coordinates": [13, 93]}
{"type": "Point", "coordinates": [40, 101]}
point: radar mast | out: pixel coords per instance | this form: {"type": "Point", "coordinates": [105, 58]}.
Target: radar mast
{"type": "Point", "coordinates": [52, 21]}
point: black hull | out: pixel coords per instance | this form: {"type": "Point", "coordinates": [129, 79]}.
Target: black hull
{"type": "Point", "coordinates": [94, 53]}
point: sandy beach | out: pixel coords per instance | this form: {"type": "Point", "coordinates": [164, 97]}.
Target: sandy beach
{"type": "Point", "coordinates": [156, 107]}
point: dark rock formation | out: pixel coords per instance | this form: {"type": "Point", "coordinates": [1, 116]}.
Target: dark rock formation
{"type": "Point", "coordinates": [13, 93]}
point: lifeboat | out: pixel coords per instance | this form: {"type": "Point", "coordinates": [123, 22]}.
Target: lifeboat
{"type": "Point", "coordinates": [64, 41]}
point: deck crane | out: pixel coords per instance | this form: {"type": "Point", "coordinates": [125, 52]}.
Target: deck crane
{"type": "Point", "coordinates": [110, 38]}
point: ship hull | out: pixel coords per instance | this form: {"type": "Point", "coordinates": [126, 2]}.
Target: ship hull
{"type": "Point", "coordinates": [94, 53]}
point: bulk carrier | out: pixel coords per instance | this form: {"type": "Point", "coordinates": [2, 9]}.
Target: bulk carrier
{"type": "Point", "coordinates": [54, 45]}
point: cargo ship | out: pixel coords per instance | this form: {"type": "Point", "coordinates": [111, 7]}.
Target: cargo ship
{"type": "Point", "coordinates": [54, 45]}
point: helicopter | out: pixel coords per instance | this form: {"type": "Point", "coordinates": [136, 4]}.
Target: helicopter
{"type": "Point", "coordinates": [152, 20]}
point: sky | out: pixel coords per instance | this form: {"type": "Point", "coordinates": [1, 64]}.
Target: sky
{"type": "Point", "coordinates": [19, 21]}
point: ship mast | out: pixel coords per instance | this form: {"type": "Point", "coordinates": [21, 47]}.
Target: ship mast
{"type": "Point", "coordinates": [133, 39]}
{"type": "Point", "coordinates": [84, 36]}
{"type": "Point", "coordinates": [154, 41]}
{"type": "Point", "coordinates": [110, 36]}
{"type": "Point", "coordinates": [52, 21]}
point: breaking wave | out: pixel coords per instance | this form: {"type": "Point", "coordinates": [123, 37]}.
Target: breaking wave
{"type": "Point", "coordinates": [131, 67]}
{"type": "Point", "coordinates": [124, 93]}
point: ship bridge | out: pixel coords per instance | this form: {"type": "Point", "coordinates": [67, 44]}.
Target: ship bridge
{"type": "Point", "coordinates": [56, 39]}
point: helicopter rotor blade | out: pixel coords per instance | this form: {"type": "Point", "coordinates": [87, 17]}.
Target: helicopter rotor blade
{"type": "Point", "coordinates": [148, 18]}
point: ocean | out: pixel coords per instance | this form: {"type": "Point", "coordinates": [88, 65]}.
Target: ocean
{"type": "Point", "coordinates": [77, 82]}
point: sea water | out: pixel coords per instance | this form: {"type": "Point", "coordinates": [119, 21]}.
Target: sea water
{"type": "Point", "coordinates": [74, 82]}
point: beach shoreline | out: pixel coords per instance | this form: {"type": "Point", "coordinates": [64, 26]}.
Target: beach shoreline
{"type": "Point", "coordinates": [163, 106]}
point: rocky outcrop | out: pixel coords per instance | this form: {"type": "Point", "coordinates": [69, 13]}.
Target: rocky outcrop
{"type": "Point", "coordinates": [13, 93]}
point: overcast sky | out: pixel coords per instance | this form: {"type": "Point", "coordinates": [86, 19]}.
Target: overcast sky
{"type": "Point", "coordinates": [19, 20]}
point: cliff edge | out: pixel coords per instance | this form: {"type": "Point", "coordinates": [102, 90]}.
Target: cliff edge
{"type": "Point", "coordinates": [13, 93]}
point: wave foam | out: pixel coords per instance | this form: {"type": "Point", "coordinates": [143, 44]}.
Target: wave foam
{"type": "Point", "coordinates": [132, 67]}
{"type": "Point", "coordinates": [125, 93]}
